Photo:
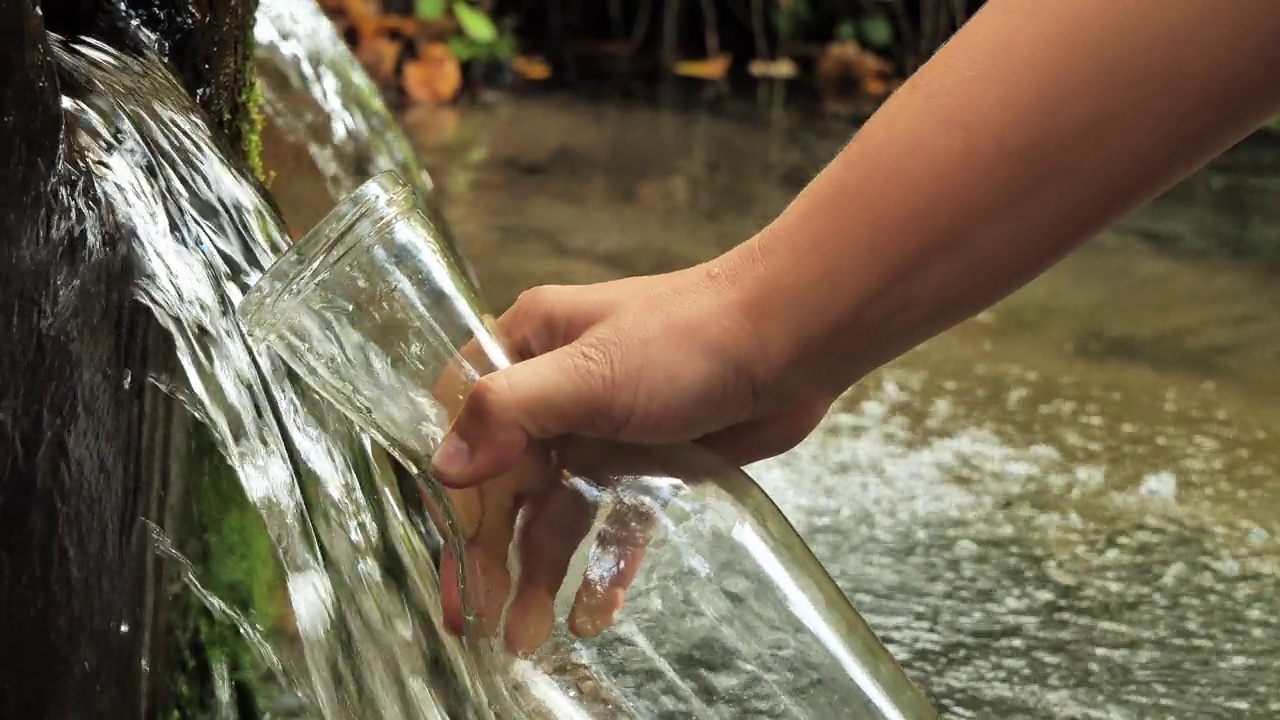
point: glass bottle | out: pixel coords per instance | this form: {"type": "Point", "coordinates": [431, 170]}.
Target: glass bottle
{"type": "Point", "coordinates": [727, 613]}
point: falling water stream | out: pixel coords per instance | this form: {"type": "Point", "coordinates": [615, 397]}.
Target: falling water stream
{"type": "Point", "coordinates": [368, 640]}
{"type": "Point", "coordinates": [316, 90]}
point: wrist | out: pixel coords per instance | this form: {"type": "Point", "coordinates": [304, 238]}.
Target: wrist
{"type": "Point", "coordinates": [788, 329]}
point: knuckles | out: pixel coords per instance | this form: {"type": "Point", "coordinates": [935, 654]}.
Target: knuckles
{"type": "Point", "coordinates": [535, 302]}
{"type": "Point", "coordinates": [535, 321]}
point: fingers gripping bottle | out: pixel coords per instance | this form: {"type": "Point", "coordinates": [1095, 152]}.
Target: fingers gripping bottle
{"type": "Point", "coordinates": [613, 581]}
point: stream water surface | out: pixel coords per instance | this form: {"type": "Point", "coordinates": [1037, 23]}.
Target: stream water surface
{"type": "Point", "coordinates": [1065, 508]}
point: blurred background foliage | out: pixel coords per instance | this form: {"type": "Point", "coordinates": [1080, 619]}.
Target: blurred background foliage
{"type": "Point", "coordinates": [849, 53]}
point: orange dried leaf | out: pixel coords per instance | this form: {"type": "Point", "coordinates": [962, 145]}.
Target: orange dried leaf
{"type": "Point", "coordinates": [435, 76]}
{"type": "Point", "coordinates": [874, 87]}
{"type": "Point", "coordinates": [713, 68]}
{"type": "Point", "coordinates": [531, 67]}
{"type": "Point", "coordinates": [378, 55]}
{"type": "Point", "coordinates": [363, 18]}
{"type": "Point", "coordinates": [406, 26]}
{"type": "Point", "coordinates": [436, 30]}
{"type": "Point", "coordinates": [846, 67]}
{"type": "Point", "coordinates": [342, 24]}
{"type": "Point", "coordinates": [873, 64]}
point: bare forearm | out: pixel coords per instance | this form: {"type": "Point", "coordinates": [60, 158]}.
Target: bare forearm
{"type": "Point", "coordinates": [1042, 122]}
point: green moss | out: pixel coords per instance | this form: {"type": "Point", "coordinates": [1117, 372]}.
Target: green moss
{"type": "Point", "coordinates": [251, 120]}
{"type": "Point", "coordinates": [241, 567]}
{"type": "Point", "coordinates": [234, 559]}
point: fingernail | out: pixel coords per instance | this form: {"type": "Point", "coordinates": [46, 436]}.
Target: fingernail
{"type": "Point", "coordinates": [452, 457]}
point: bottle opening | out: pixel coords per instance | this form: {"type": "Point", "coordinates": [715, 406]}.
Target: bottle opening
{"type": "Point", "coordinates": [356, 219]}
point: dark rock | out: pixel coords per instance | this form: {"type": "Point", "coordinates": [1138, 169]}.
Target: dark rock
{"type": "Point", "coordinates": [88, 448]}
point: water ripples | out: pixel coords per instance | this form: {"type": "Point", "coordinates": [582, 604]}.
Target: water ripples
{"type": "Point", "coordinates": [1017, 577]}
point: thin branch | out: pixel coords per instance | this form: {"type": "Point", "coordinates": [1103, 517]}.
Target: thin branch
{"type": "Point", "coordinates": [759, 22]}
{"type": "Point", "coordinates": [710, 29]}
{"type": "Point", "coordinates": [670, 29]}
{"type": "Point", "coordinates": [641, 28]}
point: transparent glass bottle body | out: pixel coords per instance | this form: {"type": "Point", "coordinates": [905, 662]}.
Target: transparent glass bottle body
{"type": "Point", "coordinates": [727, 614]}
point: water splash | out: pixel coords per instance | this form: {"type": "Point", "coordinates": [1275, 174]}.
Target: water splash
{"type": "Point", "coordinates": [359, 574]}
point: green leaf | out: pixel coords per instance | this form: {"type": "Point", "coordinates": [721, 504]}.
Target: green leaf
{"type": "Point", "coordinates": [846, 30]}
{"type": "Point", "coordinates": [474, 23]}
{"type": "Point", "coordinates": [788, 15]}
{"type": "Point", "coordinates": [429, 9]}
{"type": "Point", "coordinates": [464, 48]}
{"type": "Point", "coordinates": [876, 30]}
{"type": "Point", "coordinates": [505, 47]}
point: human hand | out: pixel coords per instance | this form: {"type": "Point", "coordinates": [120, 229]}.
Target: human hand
{"type": "Point", "coordinates": [656, 359]}
{"type": "Point", "coordinates": [557, 518]}
{"type": "Point", "coordinates": [646, 360]}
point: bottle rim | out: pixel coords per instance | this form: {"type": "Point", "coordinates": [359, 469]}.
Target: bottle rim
{"type": "Point", "coordinates": [355, 220]}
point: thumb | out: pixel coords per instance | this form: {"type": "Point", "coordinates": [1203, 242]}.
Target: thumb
{"type": "Point", "coordinates": [566, 391]}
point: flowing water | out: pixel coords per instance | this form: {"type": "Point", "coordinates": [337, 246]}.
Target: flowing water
{"type": "Point", "coordinates": [363, 636]}
{"type": "Point", "coordinates": [316, 93]}
{"type": "Point", "coordinates": [317, 98]}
